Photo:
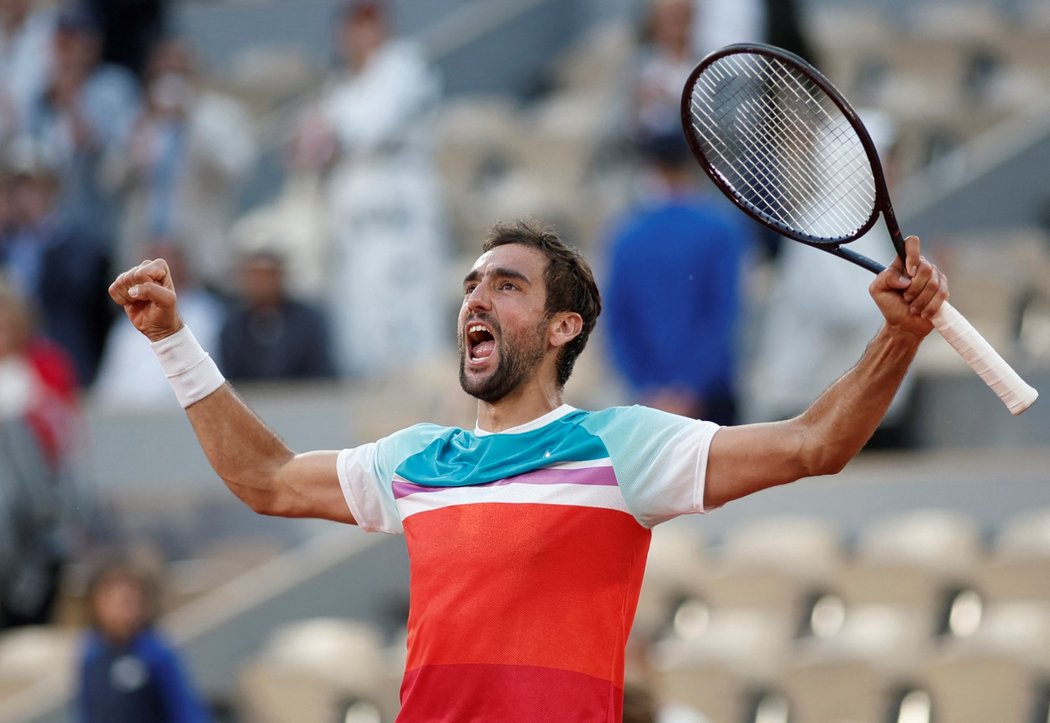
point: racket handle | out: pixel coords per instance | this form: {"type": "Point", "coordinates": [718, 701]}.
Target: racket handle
{"type": "Point", "coordinates": [983, 359]}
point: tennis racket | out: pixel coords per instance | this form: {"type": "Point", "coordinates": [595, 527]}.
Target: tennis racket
{"type": "Point", "coordinates": [785, 146]}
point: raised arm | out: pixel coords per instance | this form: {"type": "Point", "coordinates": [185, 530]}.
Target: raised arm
{"type": "Point", "coordinates": [250, 458]}
{"type": "Point", "coordinates": [836, 426]}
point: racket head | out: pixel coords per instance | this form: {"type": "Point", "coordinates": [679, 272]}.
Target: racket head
{"type": "Point", "coordinates": [780, 141]}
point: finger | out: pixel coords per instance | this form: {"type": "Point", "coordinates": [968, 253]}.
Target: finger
{"type": "Point", "coordinates": [152, 292]}
{"type": "Point", "coordinates": [118, 290]}
{"type": "Point", "coordinates": [919, 279]}
{"type": "Point", "coordinates": [155, 270]}
{"type": "Point", "coordinates": [933, 295]}
{"type": "Point", "coordinates": [894, 278]}
{"type": "Point", "coordinates": [911, 254]}
{"type": "Point", "coordinates": [920, 297]}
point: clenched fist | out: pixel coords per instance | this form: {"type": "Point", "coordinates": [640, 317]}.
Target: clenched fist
{"type": "Point", "coordinates": [148, 296]}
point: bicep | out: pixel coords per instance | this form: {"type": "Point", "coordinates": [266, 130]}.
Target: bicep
{"type": "Point", "coordinates": [312, 485]}
{"type": "Point", "coordinates": [748, 458]}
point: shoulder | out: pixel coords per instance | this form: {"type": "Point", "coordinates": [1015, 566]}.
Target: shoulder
{"type": "Point", "coordinates": [636, 416]}
{"type": "Point", "coordinates": [412, 440]}
{"type": "Point", "coordinates": [111, 78]}
{"type": "Point", "coordinates": [153, 647]}
{"type": "Point", "coordinates": [92, 646]}
{"type": "Point", "coordinates": [303, 312]}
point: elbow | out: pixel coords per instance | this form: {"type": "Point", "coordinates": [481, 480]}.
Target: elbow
{"type": "Point", "coordinates": [262, 491]}
{"type": "Point", "coordinates": [832, 462]}
{"type": "Point", "coordinates": [821, 455]}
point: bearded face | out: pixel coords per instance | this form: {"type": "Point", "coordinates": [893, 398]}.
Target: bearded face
{"type": "Point", "coordinates": [492, 364]}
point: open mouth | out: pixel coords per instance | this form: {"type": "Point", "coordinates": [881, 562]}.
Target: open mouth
{"type": "Point", "coordinates": [480, 343]}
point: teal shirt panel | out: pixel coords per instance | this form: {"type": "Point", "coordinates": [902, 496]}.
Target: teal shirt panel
{"type": "Point", "coordinates": [659, 458]}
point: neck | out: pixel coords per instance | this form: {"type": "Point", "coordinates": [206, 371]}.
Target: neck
{"type": "Point", "coordinates": [519, 407]}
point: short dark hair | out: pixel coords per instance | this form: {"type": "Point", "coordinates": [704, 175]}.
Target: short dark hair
{"type": "Point", "coordinates": [568, 279]}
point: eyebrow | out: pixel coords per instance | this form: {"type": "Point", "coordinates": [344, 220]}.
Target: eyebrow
{"type": "Point", "coordinates": [501, 272]}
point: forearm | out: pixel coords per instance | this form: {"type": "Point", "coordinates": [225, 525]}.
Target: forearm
{"type": "Point", "coordinates": [246, 454]}
{"type": "Point", "coordinates": [249, 457]}
{"type": "Point", "coordinates": [838, 424]}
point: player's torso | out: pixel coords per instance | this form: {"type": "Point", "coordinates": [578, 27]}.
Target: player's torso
{"type": "Point", "coordinates": [523, 587]}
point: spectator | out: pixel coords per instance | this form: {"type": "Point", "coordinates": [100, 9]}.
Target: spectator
{"type": "Point", "coordinates": [662, 69]}
{"type": "Point", "coordinates": [673, 292]}
{"type": "Point", "coordinates": [25, 60]}
{"type": "Point", "coordinates": [129, 29]}
{"type": "Point", "coordinates": [268, 335]}
{"type": "Point", "coordinates": [84, 118]}
{"type": "Point", "coordinates": [383, 197]}
{"type": "Point", "coordinates": [294, 223]}
{"type": "Point", "coordinates": [57, 264]}
{"type": "Point", "coordinates": [125, 379]}
{"type": "Point", "coordinates": [777, 22]}
{"type": "Point", "coordinates": [128, 672]}
{"type": "Point", "coordinates": [190, 149]}
{"type": "Point", "coordinates": [36, 420]}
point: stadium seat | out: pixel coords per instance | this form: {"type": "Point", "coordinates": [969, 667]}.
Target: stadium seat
{"type": "Point", "coordinates": [30, 654]}
{"type": "Point", "coordinates": [998, 673]}
{"type": "Point", "coordinates": [809, 548]}
{"type": "Point", "coordinates": [678, 561]}
{"type": "Point", "coordinates": [836, 691]}
{"type": "Point", "coordinates": [942, 542]}
{"type": "Point", "coordinates": [750, 642]}
{"type": "Point", "coordinates": [710, 687]}
{"type": "Point", "coordinates": [316, 669]}
{"type": "Point", "coordinates": [1025, 536]}
{"type": "Point", "coordinates": [1019, 568]}
{"type": "Point", "coordinates": [719, 670]}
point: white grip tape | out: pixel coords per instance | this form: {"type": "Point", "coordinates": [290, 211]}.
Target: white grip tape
{"type": "Point", "coordinates": [191, 371]}
{"type": "Point", "coordinates": [983, 359]}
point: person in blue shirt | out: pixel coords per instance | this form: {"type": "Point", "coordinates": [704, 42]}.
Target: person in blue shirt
{"type": "Point", "coordinates": [673, 294]}
{"type": "Point", "coordinates": [128, 672]}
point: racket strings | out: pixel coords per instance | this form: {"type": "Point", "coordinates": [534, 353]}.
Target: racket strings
{"type": "Point", "coordinates": [783, 146]}
{"type": "Point", "coordinates": [841, 152]}
{"type": "Point", "coordinates": [788, 125]}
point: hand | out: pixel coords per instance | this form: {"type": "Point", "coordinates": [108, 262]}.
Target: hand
{"type": "Point", "coordinates": [910, 294]}
{"type": "Point", "coordinates": [148, 296]}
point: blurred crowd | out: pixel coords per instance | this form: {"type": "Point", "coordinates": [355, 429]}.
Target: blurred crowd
{"type": "Point", "coordinates": [116, 147]}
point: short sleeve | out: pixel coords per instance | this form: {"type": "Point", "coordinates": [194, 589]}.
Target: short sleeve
{"type": "Point", "coordinates": [367, 472]}
{"type": "Point", "coordinates": [366, 495]}
{"type": "Point", "coordinates": [660, 460]}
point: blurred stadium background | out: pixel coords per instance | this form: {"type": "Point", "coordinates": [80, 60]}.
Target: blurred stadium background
{"type": "Point", "coordinates": [914, 586]}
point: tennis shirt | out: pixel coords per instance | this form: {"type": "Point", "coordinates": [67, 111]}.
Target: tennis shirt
{"type": "Point", "coordinates": [526, 552]}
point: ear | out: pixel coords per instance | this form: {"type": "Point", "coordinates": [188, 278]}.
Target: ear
{"type": "Point", "coordinates": [564, 327]}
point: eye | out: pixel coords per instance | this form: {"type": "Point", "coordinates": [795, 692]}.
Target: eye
{"type": "Point", "coordinates": [468, 288]}
{"type": "Point", "coordinates": [508, 286]}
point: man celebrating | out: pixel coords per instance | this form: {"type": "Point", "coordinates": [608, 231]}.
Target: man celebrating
{"type": "Point", "coordinates": [527, 536]}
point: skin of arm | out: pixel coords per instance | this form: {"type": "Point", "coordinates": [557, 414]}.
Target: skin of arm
{"type": "Point", "coordinates": [821, 440]}
{"type": "Point", "coordinates": [251, 459]}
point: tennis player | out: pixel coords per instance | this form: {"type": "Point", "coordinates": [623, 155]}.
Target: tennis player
{"type": "Point", "coordinates": [527, 535]}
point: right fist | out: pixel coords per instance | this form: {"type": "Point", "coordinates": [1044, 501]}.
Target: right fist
{"type": "Point", "coordinates": [148, 297]}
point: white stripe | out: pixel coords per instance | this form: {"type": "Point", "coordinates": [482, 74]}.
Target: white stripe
{"type": "Point", "coordinates": [606, 497]}
{"type": "Point", "coordinates": [584, 464]}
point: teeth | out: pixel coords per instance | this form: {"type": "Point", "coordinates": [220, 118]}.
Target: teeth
{"type": "Point", "coordinates": [476, 327]}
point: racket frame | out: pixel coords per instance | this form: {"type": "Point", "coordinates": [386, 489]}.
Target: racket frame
{"type": "Point", "coordinates": [882, 203]}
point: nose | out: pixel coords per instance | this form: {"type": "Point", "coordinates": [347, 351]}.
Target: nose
{"type": "Point", "coordinates": [477, 299]}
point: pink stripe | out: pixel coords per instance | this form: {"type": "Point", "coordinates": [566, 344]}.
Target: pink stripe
{"type": "Point", "coordinates": [547, 476]}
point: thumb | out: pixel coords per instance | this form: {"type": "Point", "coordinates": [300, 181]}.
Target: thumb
{"type": "Point", "coordinates": [894, 279]}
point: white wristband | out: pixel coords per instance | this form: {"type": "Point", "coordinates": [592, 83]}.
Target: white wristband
{"type": "Point", "coordinates": [190, 370]}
